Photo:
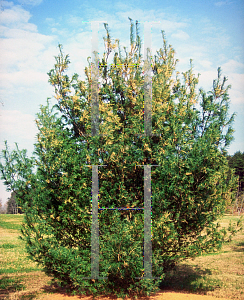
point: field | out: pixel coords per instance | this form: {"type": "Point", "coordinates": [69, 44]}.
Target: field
{"type": "Point", "coordinates": [219, 274]}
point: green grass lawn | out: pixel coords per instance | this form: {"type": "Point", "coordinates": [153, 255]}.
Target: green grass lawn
{"type": "Point", "coordinates": [12, 250]}
{"type": "Point", "coordinates": [219, 274]}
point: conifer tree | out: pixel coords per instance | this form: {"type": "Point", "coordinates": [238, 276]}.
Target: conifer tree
{"type": "Point", "coordinates": [191, 131]}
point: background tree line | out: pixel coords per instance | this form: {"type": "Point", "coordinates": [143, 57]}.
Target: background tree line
{"type": "Point", "coordinates": [236, 162]}
{"type": "Point", "coordinates": [11, 206]}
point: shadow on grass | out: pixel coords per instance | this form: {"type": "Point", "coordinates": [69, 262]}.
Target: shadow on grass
{"type": "Point", "coordinates": [189, 279]}
{"type": "Point", "coordinates": [239, 247]}
{"type": "Point", "coordinates": [54, 288]}
{"type": "Point", "coordinates": [9, 285]}
{"type": "Point", "coordinates": [183, 279]}
{"type": "Point", "coordinates": [28, 296]}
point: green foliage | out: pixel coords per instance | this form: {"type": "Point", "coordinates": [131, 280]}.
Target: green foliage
{"type": "Point", "coordinates": [10, 284]}
{"type": "Point", "coordinates": [236, 162]}
{"type": "Point", "coordinates": [190, 188]}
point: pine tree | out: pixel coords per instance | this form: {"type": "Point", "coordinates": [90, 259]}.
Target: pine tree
{"type": "Point", "coordinates": [189, 187]}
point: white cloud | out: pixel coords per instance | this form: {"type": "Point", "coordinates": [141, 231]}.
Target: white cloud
{"type": "Point", "coordinates": [181, 35]}
{"type": "Point", "coordinates": [24, 79]}
{"type": "Point", "coordinates": [234, 71]}
{"type": "Point", "coordinates": [25, 61]}
{"type": "Point", "coordinates": [206, 64]}
{"type": "Point", "coordinates": [237, 89]}
{"type": "Point", "coordinates": [236, 92]}
{"type": "Point", "coordinates": [26, 57]}
{"type": "Point", "coordinates": [233, 66]}
{"type": "Point", "coordinates": [16, 123]}
{"type": "Point", "coordinates": [206, 79]}
{"type": "Point", "coordinates": [24, 51]}
{"type": "Point", "coordinates": [188, 50]}
{"type": "Point", "coordinates": [170, 26]}
{"type": "Point", "coordinates": [14, 15]}
{"type": "Point", "coordinates": [4, 4]}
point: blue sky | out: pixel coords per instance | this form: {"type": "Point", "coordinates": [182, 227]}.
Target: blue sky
{"type": "Point", "coordinates": [210, 32]}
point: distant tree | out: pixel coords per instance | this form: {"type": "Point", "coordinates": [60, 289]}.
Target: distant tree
{"type": "Point", "coordinates": [5, 208]}
{"type": "Point", "coordinates": [189, 186]}
{"type": "Point", "coordinates": [12, 205]}
{"type": "Point", "coordinates": [236, 162]}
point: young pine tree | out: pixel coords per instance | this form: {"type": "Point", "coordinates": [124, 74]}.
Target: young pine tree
{"type": "Point", "coordinates": [190, 187]}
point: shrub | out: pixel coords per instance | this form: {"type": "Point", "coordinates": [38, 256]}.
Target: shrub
{"type": "Point", "coordinates": [189, 187]}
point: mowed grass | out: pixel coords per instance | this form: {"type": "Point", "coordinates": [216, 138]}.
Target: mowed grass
{"type": "Point", "coordinates": [17, 271]}
{"type": "Point", "coordinates": [219, 274]}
